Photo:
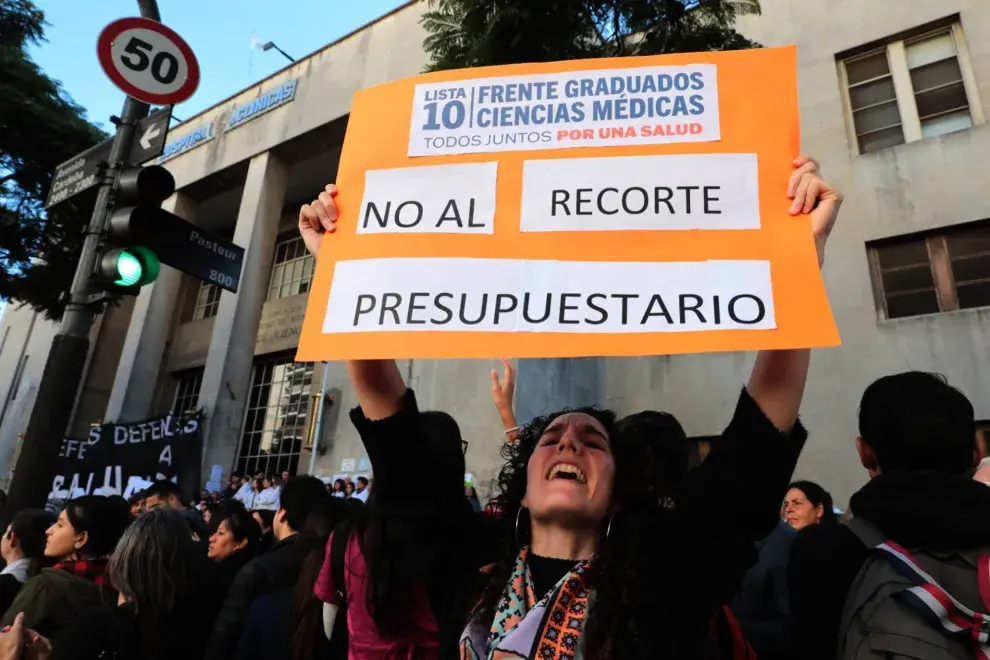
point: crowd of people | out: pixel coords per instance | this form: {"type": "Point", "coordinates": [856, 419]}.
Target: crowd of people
{"type": "Point", "coordinates": [262, 493]}
{"type": "Point", "coordinates": [599, 541]}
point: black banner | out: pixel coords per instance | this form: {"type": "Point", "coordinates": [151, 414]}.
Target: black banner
{"type": "Point", "coordinates": [121, 459]}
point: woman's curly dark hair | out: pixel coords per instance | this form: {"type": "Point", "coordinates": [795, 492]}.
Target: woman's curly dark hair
{"type": "Point", "coordinates": [621, 602]}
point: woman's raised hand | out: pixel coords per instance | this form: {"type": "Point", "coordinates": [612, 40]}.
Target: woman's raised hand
{"type": "Point", "coordinates": [317, 218]}
{"type": "Point", "coordinates": [812, 194]}
{"type": "Point", "coordinates": [503, 390]}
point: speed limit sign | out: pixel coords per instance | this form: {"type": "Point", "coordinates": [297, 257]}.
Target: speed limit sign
{"type": "Point", "coordinates": [148, 61]}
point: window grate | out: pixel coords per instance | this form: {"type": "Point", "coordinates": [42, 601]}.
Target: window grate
{"type": "Point", "coordinates": [187, 392]}
{"type": "Point", "coordinates": [292, 270]}
{"type": "Point", "coordinates": [207, 302]}
{"type": "Point", "coordinates": [936, 273]}
{"type": "Point", "coordinates": [926, 70]}
{"type": "Point", "coordinates": [275, 417]}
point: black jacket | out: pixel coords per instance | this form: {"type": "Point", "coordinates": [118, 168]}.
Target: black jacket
{"type": "Point", "coordinates": [931, 510]}
{"type": "Point", "coordinates": [259, 577]}
{"type": "Point", "coordinates": [727, 504]}
{"type": "Point", "coordinates": [9, 588]}
{"type": "Point", "coordinates": [762, 605]}
{"type": "Point", "coordinates": [268, 629]}
{"type": "Point", "coordinates": [115, 634]}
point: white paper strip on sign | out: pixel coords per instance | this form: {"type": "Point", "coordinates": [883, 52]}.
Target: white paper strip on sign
{"type": "Point", "coordinates": [442, 199]}
{"type": "Point", "coordinates": [600, 108]}
{"type": "Point", "coordinates": [513, 295]}
{"type": "Point", "coordinates": [696, 191]}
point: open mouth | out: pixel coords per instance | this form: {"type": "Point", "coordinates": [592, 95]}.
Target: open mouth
{"type": "Point", "coordinates": [567, 471]}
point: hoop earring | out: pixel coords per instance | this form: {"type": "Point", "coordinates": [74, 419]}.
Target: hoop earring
{"type": "Point", "coordinates": [608, 530]}
{"type": "Point", "coordinates": [518, 516]}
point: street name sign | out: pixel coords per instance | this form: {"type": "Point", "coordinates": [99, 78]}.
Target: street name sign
{"type": "Point", "coordinates": [83, 171]}
{"type": "Point", "coordinates": [78, 174]}
{"type": "Point", "coordinates": [188, 248]}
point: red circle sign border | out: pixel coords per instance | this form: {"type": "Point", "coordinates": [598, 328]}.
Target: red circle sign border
{"type": "Point", "coordinates": [114, 29]}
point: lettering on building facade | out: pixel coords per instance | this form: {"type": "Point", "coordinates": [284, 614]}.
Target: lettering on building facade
{"type": "Point", "coordinates": [281, 324]}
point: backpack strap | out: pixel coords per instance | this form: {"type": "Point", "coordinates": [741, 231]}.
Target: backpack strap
{"type": "Point", "coordinates": [928, 598]}
{"type": "Point", "coordinates": [865, 531]}
{"type": "Point", "coordinates": [937, 605]}
{"type": "Point", "coordinates": [338, 552]}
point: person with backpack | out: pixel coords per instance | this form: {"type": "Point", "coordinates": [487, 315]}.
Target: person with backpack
{"type": "Point", "coordinates": [908, 575]}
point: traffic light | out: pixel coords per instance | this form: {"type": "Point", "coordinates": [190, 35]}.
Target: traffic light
{"type": "Point", "coordinates": [126, 264]}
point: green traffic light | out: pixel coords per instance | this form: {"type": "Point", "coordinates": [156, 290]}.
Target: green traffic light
{"type": "Point", "coordinates": [126, 269]}
{"type": "Point", "coordinates": [129, 269]}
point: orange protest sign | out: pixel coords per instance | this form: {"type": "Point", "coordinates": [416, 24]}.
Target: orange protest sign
{"type": "Point", "coordinates": [632, 206]}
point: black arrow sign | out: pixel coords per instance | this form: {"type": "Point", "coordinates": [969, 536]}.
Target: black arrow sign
{"type": "Point", "coordinates": [149, 136]}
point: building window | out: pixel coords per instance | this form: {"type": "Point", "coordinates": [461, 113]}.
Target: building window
{"type": "Point", "coordinates": [937, 82]}
{"type": "Point", "coordinates": [187, 392]}
{"type": "Point", "coordinates": [934, 273]}
{"type": "Point", "coordinates": [275, 418]}
{"type": "Point", "coordinates": [910, 89]}
{"type": "Point", "coordinates": [292, 272]}
{"type": "Point", "coordinates": [207, 302]}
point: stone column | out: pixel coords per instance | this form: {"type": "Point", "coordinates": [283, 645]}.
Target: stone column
{"type": "Point", "coordinates": [144, 347]}
{"type": "Point", "coordinates": [226, 379]}
{"type": "Point", "coordinates": [545, 385]}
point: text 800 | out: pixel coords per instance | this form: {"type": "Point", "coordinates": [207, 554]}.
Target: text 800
{"type": "Point", "coordinates": [221, 279]}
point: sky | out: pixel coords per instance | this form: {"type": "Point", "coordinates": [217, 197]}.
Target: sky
{"type": "Point", "coordinates": [219, 32]}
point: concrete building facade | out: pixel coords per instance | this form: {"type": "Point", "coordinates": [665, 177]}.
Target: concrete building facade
{"type": "Point", "coordinates": [893, 96]}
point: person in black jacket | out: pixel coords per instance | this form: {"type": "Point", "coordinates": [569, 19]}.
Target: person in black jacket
{"type": "Point", "coordinates": [263, 574]}
{"type": "Point", "coordinates": [917, 442]}
{"type": "Point", "coordinates": [23, 551]}
{"type": "Point", "coordinates": [235, 542]}
{"type": "Point", "coordinates": [624, 577]}
{"type": "Point", "coordinates": [288, 622]}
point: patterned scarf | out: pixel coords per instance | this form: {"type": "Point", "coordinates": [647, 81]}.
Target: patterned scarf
{"type": "Point", "coordinates": [549, 629]}
{"type": "Point", "coordinates": [94, 570]}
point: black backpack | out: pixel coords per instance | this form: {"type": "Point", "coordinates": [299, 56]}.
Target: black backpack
{"type": "Point", "coordinates": [915, 604]}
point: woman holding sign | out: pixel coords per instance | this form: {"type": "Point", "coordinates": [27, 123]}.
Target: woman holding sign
{"type": "Point", "coordinates": [584, 562]}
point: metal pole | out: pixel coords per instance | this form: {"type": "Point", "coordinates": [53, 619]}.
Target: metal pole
{"type": "Point", "coordinates": [287, 56]}
{"type": "Point", "coordinates": [318, 431]}
{"type": "Point", "coordinates": [61, 379]}
{"type": "Point", "coordinates": [79, 315]}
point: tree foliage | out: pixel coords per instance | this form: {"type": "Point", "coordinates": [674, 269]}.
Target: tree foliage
{"type": "Point", "coordinates": [40, 127]}
{"type": "Point", "coordinates": [466, 33]}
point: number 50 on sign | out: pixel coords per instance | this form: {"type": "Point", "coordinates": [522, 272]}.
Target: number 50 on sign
{"type": "Point", "coordinates": [148, 61]}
